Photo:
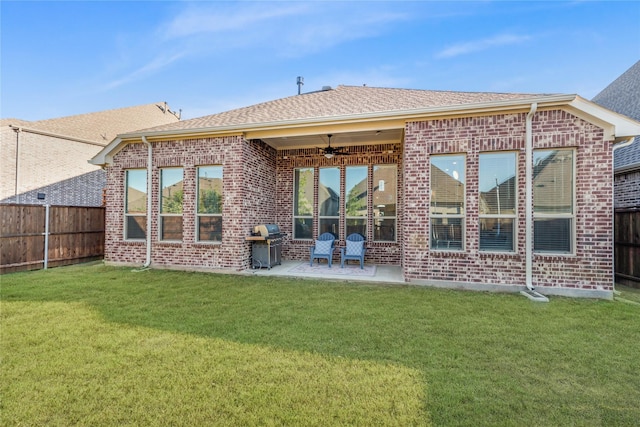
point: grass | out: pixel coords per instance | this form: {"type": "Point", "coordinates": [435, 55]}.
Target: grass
{"type": "Point", "coordinates": [95, 345]}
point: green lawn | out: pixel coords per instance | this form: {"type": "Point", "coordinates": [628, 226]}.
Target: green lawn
{"type": "Point", "coordinates": [94, 345]}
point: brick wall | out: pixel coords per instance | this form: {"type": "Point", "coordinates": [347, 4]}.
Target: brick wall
{"type": "Point", "coordinates": [258, 188]}
{"type": "Point", "coordinates": [389, 253]}
{"type": "Point", "coordinates": [627, 190]}
{"type": "Point", "coordinates": [590, 267]}
{"type": "Point", "coordinates": [248, 186]}
{"type": "Point", "coordinates": [43, 161]}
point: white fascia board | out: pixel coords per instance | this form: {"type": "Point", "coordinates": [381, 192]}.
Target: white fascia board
{"type": "Point", "coordinates": [620, 127]}
{"type": "Point", "coordinates": [105, 155]}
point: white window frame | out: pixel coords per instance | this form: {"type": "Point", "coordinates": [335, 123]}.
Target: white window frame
{"type": "Point", "coordinates": [364, 217]}
{"type": "Point", "coordinates": [128, 215]}
{"type": "Point", "coordinates": [513, 216]}
{"type": "Point", "coordinates": [340, 204]}
{"type": "Point", "coordinates": [162, 215]}
{"type": "Point", "coordinates": [200, 215]}
{"type": "Point", "coordinates": [393, 217]}
{"type": "Point", "coordinates": [295, 200]}
{"type": "Point", "coordinates": [462, 216]}
{"type": "Point", "coordinates": [571, 216]}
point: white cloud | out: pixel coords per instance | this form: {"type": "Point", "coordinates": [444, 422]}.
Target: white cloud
{"type": "Point", "coordinates": [156, 64]}
{"type": "Point", "coordinates": [217, 18]}
{"type": "Point", "coordinates": [480, 45]}
{"type": "Point", "coordinates": [282, 29]}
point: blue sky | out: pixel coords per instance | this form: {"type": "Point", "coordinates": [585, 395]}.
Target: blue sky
{"type": "Point", "coordinates": [64, 58]}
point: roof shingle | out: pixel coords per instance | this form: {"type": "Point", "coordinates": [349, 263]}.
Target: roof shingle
{"type": "Point", "coordinates": [341, 101]}
{"type": "Point", "coordinates": [623, 96]}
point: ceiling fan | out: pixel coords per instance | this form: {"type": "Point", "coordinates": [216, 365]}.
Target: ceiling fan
{"type": "Point", "coordinates": [330, 151]}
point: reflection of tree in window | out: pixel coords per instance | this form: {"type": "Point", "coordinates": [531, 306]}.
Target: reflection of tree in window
{"type": "Point", "coordinates": [210, 203]}
{"type": "Point", "coordinates": [304, 205]}
{"type": "Point", "coordinates": [357, 200]}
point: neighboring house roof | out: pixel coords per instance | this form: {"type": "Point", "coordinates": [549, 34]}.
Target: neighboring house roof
{"type": "Point", "coordinates": [65, 144]}
{"type": "Point", "coordinates": [623, 96]}
{"type": "Point", "coordinates": [358, 109]}
{"type": "Point", "coordinates": [102, 126]}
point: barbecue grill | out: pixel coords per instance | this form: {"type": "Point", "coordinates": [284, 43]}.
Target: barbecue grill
{"type": "Point", "coordinates": [266, 248]}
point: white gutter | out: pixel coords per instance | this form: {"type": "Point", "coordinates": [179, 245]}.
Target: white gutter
{"type": "Point", "coordinates": [529, 197]}
{"type": "Point", "coordinates": [57, 135]}
{"type": "Point", "coordinates": [147, 262]}
{"type": "Point", "coordinates": [613, 212]}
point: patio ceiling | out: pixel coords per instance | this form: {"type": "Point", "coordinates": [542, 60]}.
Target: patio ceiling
{"type": "Point", "coordinates": [344, 139]}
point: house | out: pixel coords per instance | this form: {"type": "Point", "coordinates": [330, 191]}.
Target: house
{"type": "Point", "coordinates": [623, 96]}
{"type": "Point", "coordinates": [44, 162]}
{"type": "Point", "coordinates": [433, 162]}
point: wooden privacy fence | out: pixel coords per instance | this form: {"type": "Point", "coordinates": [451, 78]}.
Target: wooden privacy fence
{"type": "Point", "coordinates": [627, 250]}
{"type": "Point", "coordinates": [71, 234]}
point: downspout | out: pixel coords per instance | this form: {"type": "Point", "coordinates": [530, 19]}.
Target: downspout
{"type": "Point", "coordinates": [530, 292]}
{"type": "Point", "coordinates": [529, 197]}
{"type": "Point", "coordinates": [613, 213]}
{"type": "Point", "coordinates": [147, 262]}
{"type": "Point", "coordinates": [47, 213]}
{"type": "Point", "coordinates": [17, 130]}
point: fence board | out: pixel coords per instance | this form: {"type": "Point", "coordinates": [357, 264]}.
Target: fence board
{"type": "Point", "coordinates": [627, 247]}
{"type": "Point", "coordinates": [76, 234]}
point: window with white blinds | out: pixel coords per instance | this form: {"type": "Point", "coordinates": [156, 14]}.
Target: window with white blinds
{"type": "Point", "coordinates": [553, 200]}
{"type": "Point", "coordinates": [497, 185]}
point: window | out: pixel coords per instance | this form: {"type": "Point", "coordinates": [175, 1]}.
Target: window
{"type": "Point", "coordinates": [303, 204]}
{"type": "Point", "coordinates": [135, 225]}
{"type": "Point", "coordinates": [497, 182]}
{"type": "Point", "coordinates": [553, 200]}
{"type": "Point", "coordinates": [356, 203]}
{"type": "Point", "coordinates": [171, 195]}
{"type": "Point", "coordinates": [385, 178]}
{"type": "Point", "coordinates": [209, 213]}
{"type": "Point", "coordinates": [447, 201]}
{"type": "Point", "coordinates": [329, 201]}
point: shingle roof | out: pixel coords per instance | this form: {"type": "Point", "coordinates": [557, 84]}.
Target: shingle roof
{"type": "Point", "coordinates": [623, 96]}
{"type": "Point", "coordinates": [102, 126]}
{"type": "Point", "coordinates": [341, 101]}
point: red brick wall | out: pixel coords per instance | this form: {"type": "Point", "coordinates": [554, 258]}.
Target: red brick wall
{"type": "Point", "coordinates": [248, 186]}
{"type": "Point", "coordinates": [627, 190]}
{"type": "Point", "coordinates": [590, 267]}
{"type": "Point", "coordinates": [258, 188]}
{"type": "Point", "coordinates": [388, 253]}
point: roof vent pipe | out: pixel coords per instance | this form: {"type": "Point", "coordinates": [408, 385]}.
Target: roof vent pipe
{"type": "Point", "coordinates": [300, 83]}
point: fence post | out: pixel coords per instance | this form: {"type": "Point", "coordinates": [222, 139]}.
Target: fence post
{"type": "Point", "coordinates": [46, 235]}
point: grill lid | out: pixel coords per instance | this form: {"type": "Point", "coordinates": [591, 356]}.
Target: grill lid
{"type": "Point", "coordinates": [266, 230]}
